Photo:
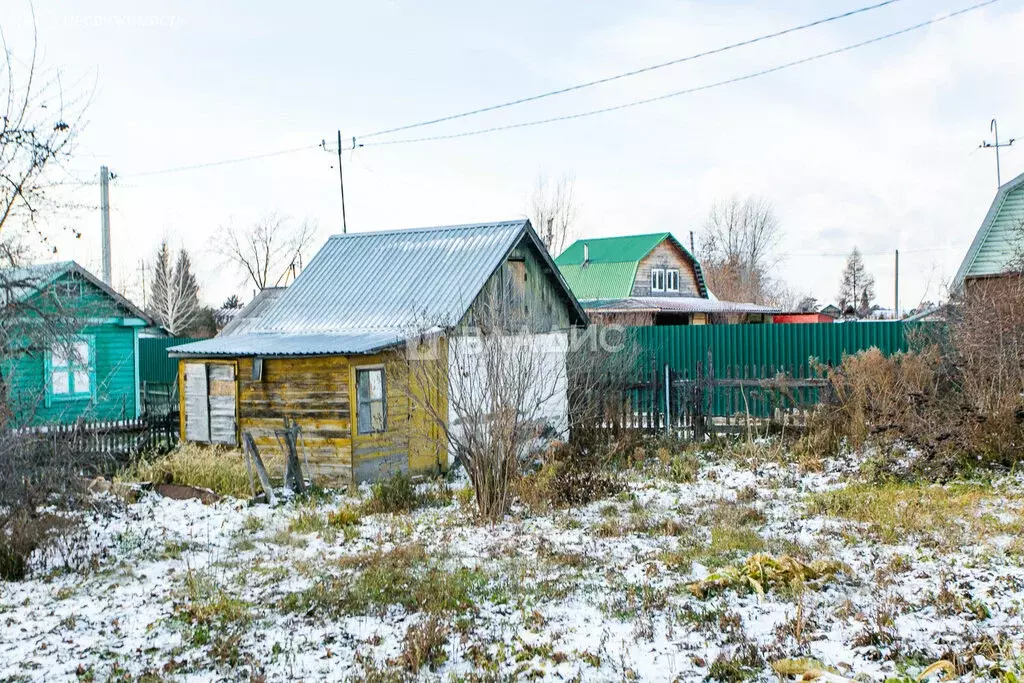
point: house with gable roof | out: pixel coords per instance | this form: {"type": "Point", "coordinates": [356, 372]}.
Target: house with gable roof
{"type": "Point", "coordinates": [647, 280]}
{"type": "Point", "coordinates": [72, 347]}
{"type": "Point", "coordinates": [320, 352]}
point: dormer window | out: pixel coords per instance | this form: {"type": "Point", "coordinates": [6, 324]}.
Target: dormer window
{"type": "Point", "coordinates": [658, 280]}
{"type": "Point", "coordinates": [672, 280]}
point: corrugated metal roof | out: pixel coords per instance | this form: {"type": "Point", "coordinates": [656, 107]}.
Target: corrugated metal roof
{"type": "Point", "coordinates": [281, 344]}
{"type": "Point", "coordinates": [249, 317]}
{"type": "Point", "coordinates": [612, 263]}
{"type": "Point", "coordinates": [996, 241]}
{"type": "Point", "coordinates": [678, 304]}
{"type": "Point", "coordinates": [377, 288]}
{"type": "Point", "coordinates": [398, 279]}
{"type": "Point", "coordinates": [600, 280]}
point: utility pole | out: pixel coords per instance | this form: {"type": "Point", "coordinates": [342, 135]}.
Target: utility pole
{"type": "Point", "coordinates": [897, 309]}
{"type": "Point", "coordinates": [994, 128]}
{"type": "Point", "coordinates": [105, 220]}
{"type": "Point", "coordinates": [341, 179]}
{"type": "Point", "coordinates": [142, 270]}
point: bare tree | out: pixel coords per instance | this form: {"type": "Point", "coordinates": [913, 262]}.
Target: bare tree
{"type": "Point", "coordinates": [38, 125]}
{"type": "Point", "coordinates": [807, 304]}
{"type": "Point", "coordinates": [857, 287]}
{"type": "Point", "coordinates": [174, 298]}
{"type": "Point", "coordinates": [552, 212]}
{"type": "Point", "coordinates": [270, 251]}
{"type": "Point", "coordinates": [505, 382]}
{"type": "Point", "coordinates": [738, 249]}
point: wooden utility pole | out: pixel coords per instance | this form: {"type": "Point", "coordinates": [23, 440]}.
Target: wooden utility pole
{"type": "Point", "coordinates": [341, 179]}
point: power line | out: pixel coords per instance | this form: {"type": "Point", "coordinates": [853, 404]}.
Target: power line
{"type": "Point", "coordinates": [236, 160]}
{"type": "Point", "coordinates": [688, 91]}
{"type": "Point", "coordinates": [636, 72]}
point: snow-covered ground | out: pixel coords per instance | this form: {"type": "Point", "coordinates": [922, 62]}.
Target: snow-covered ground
{"type": "Point", "coordinates": [178, 590]}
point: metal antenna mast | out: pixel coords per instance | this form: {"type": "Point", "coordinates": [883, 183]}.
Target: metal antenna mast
{"type": "Point", "coordinates": [994, 128]}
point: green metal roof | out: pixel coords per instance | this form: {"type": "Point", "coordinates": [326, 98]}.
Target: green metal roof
{"type": "Point", "coordinates": [600, 280]}
{"type": "Point", "coordinates": [994, 244]}
{"type": "Point", "coordinates": [612, 263]}
{"type": "Point", "coordinates": [612, 249]}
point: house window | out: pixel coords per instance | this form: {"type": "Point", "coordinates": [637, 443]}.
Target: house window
{"type": "Point", "coordinates": [371, 404]}
{"type": "Point", "coordinates": [71, 373]}
{"type": "Point", "coordinates": [68, 289]}
{"type": "Point", "coordinates": [658, 280]}
{"type": "Point", "coordinates": [672, 280]}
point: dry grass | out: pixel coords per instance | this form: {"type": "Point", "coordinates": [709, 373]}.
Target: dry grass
{"type": "Point", "coordinates": [946, 516]}
{"type": "Point", "coordinates": [220, 470]}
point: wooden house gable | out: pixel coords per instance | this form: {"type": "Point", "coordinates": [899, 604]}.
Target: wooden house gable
{"type": "Point", "coordinates": [666, 257]}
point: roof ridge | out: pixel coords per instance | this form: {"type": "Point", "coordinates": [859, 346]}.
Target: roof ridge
{"type": "Point", "coordinates": [622, 237]}
{"type": "Point", "coordinates": [437, 228]}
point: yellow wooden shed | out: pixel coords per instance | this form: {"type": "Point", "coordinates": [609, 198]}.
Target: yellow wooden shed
{"type": "Point", "coordinates": [328, 352]}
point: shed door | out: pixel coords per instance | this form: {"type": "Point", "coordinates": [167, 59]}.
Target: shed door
{"type": "Point", "coordinates": [197, 410]}
{"type": "Point", "coordinates": [222, 403]}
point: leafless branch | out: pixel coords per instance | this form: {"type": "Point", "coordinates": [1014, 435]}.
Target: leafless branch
{"type": "Point", "coordinates": [269, 252]}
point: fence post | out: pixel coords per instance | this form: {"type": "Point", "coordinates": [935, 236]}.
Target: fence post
{"type": "Point", "coordinates": [668, 402]}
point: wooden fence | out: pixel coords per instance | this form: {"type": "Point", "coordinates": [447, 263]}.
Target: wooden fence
{"type": "Point", "coordinates": [116, 439]}
{"type": "Point", "coordinates": [713, 401]}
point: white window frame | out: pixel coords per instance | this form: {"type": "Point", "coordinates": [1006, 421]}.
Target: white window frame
{"type": "Point", "coordinates": [59, 359]}
{"type": "Point", "coordinates": [672, 280]}
{"type": "Point", "coordinates": [383, 400]}
{"type": "Point", "coordinates": [656, 275]}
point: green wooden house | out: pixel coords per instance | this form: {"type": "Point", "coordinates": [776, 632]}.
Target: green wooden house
{"type": "Point", "coordinates": [999, 239]}
{"type": "Point", "coordinates": [87, 368]}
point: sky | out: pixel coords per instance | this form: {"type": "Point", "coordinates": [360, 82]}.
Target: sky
{"type": "Point", "coordinates": [875, 148]}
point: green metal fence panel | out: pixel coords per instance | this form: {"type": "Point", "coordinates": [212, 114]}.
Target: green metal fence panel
{"type": "Point", "coordinates": [154, 365]}
{"type": "Point", "coordinates": [759, 351]}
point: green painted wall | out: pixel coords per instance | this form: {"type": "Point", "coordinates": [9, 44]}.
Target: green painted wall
{"type": "Point", "coordinates": [115, 392]}
{"type": "Point", "coordinates": [155, 367]}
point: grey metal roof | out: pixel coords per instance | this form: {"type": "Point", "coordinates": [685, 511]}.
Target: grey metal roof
{"type": "Point", "coordinates": [249, 317]}
{"type": "Point", "coordinates": [277, 344]}
{"type": "Point", "coordinates": [381, 285]}
{"type": "Point", "coordinates": [677, 304]}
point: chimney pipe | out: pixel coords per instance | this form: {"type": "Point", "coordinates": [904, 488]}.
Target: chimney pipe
{"type": "Point", "coordinates": [586, 253]}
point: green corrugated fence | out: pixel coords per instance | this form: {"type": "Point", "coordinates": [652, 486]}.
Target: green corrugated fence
{"type": "Point", "coordinates": [154, 365]}
{"type": "Point", "coordinates": [758, 351]}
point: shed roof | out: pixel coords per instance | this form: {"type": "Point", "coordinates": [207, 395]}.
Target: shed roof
{"type": "Point", "coordinates": [611, 264]}
{"type": "Point", "coordinates": [367, 291]}
{"type": "Point", "coordinates": [995, 242]}
{"type": "Point", "coordinates": [249, 317]}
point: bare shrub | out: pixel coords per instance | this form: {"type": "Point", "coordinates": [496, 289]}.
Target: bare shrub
{"type": "Point", "coordinates": [505, 371]}
{"type": "Point", "coordinates": [42, 496]}
{"type": "Point", "coordinates": [986, 333]}
{"type": "Point", "coordinates": [958, 398]}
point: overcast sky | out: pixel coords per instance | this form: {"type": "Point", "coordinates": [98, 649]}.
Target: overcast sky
{"type": "Point", "coordinates": [875, 148]}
